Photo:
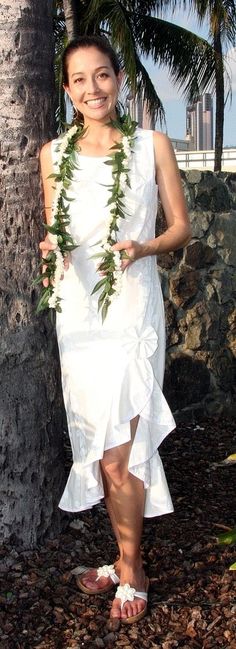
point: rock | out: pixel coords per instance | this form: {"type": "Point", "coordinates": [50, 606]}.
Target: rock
{"type": "Point", "coordinates": [173, 331]}
{"type": "Point", "coordinates": [231, 334]}
{"type": "Point", "coordinates": [194, 176]}
{"type": "Point", "coordinates": [200, 222]}
{"type": "Point", "coordinates": [222, 365]}
{"type": "Point", "coordinates": [184, 285]}
{"type": "Point", "coordinates": [212, 194]}
{"type": "Point", "coordinates": [202, 325]}
{"type": "Point", "coordinates": [98, 642]}
{"type": "Point", "coordinates": [109, 639]}
{"type": "Point", "coordinates": [225, 234]}
{"type": "Point", "coordinates": [199, 255]}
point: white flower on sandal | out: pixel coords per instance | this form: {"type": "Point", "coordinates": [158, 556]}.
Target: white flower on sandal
{"type": "Point", "coordinates": [125, 593]}
{"type": "Point", "coordinates": [108, 571]}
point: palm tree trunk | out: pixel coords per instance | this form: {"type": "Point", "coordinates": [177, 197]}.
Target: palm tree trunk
{"type": "Point", "coordinates": [30, 411]}
{"type": "Point", "coordinates": [219, 123]}
{"type": "Point", "coordinates": [71, 18]}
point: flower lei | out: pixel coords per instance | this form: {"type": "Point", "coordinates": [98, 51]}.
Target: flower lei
{"type": "Point", "coordinates": [110, 261]}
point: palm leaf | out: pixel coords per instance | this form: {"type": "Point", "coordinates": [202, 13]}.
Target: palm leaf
{"type": "Point", "coordinates": [147, 90]}
{"type": "Point", "coordinates": [190, 59]}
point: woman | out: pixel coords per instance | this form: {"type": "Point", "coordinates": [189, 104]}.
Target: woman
{"type": "Point", "coordinates": [112, 365]}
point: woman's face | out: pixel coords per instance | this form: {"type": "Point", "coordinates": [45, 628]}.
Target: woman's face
{"type": "Point", "coordinates": [93, 85]}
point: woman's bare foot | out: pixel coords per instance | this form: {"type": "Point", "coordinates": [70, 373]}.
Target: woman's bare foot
{"type": "Point", "coordinates": [135, 577]}
{"type": "Point", "coordinates": [90, 581]}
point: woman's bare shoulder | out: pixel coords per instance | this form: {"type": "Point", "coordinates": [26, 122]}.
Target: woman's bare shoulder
{"type": "Point", "coordinates": [45, 151]}
{"type": "Point", "coordinates": [161, 140]}
{"type": "Point", "coordinates": [164, 151]}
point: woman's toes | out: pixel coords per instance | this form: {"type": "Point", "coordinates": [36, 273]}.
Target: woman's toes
{"type": "Point", "coordinates": [127, 610]}
{"type": "Point", "coordinates": [136, 608]}
{"type": "Point", "coordinates": [140, 605]}
{"type": "Point", "coordinates": [115, 609]}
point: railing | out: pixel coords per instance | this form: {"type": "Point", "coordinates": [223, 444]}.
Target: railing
{"type": "Point", "coordinates": [205, 159]}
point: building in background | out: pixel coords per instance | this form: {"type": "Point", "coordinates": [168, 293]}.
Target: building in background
{"type": "Point", "coordinates": [179, 145]}
{"type": "Point", "coordinates": [137, 108]}
{"type": "Point", "coordinates": [199, 124]}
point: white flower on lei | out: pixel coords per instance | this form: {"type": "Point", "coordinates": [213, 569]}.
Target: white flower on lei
{"type": "Point", "coordinates": [65, 141]}
{"type": "Point", "coordinates": [57, 278]}
{"type": "Point", "coordinates": [126, 147]}
{"type": "Point", "coordinates": [117, 259]}
{"type": "Point", "coordinates": [57, 194]}
{"type": "Point", "coordinates": [123, 180]}
{"type": "Point", "coordinates": [109, 220]}
{"type": "Point", "coordinates": [118, 277]}
{"type": "Point", "coordinates": [105, 245]}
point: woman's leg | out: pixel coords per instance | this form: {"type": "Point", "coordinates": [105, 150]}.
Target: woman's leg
{"type": "Point", "coordinates": [126, 493]}
{"type": "Point", "coordinates": [89, 579]}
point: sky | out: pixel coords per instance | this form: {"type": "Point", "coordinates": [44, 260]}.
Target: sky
{"type": "Point", "coordinates": [174, 103]}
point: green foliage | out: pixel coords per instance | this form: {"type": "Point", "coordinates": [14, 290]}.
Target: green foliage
{"type": "Point", "coordinates": [118, 162]}
{"type": "Point", "coordinates": [228, 538]}
{"type": "Point", "coordinates": [61, 218]}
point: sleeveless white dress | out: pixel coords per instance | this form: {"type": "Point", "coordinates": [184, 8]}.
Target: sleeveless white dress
{"type": "Point", "coordinates": [113, 371]}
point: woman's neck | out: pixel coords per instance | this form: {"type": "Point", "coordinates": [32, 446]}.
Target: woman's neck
{"type": "Point", "coordinates": [98, 138]}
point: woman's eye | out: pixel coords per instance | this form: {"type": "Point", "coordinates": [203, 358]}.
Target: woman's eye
{"type": "Point", "coordinates": [103, 75]}
{"type": "Point", "coordinates": [79, 80]}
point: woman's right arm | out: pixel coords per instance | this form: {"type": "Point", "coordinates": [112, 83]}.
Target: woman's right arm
{"type": "Point", "coordinates": [46, 169]}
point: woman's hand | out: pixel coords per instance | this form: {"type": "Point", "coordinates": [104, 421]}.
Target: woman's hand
{"type": "Point", "coordinates": [130, 252]}
{"type": "Point", "coordinates": [47, 246]}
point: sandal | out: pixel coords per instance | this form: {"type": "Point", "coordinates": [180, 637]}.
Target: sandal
{"type": "Point", "coordinates": [103, 571]}
{"type": "Point", "coordinates": [127, 594]}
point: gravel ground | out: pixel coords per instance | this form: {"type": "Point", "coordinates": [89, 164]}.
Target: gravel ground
{"type": "Point", "coordinates": [192, 602]}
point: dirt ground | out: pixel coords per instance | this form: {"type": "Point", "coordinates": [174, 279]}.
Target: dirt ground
{"type": "Point", "coordinates": [192, 600]}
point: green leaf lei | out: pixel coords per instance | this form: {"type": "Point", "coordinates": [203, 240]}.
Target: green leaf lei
{"type": "Point", "coordinates": [110, 261]}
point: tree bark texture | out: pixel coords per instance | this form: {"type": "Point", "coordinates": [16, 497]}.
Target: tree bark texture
{"type": "Point", "coordinates": [71, 18]}
{"type": "Point", "coordinates": [30, 394]}
{"type": "Point", "coordinates": [219, 119]}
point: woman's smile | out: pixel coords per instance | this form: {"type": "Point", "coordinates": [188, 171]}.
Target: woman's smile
{"type": "Point", "coordinates": [97, 102]}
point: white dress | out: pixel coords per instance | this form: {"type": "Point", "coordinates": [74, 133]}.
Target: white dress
{"type": "Point", "coordinates": [112, 372]}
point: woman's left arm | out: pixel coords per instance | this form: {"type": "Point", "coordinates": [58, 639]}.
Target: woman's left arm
{"type": "Point", "coordinates": [171, 193]}
{"type": "Point", "coordinates": [178, 231]}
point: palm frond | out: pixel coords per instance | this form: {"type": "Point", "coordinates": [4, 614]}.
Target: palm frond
{"type": "Point", "coordinates": [146, 88]}
{"type": "Point", "coordinates": [220, 15]}
{"type": "Point", "coordinates": [190, 59]}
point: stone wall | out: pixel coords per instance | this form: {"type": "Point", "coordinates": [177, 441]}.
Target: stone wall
{"type": "Point", "coordinates": [199, 292]}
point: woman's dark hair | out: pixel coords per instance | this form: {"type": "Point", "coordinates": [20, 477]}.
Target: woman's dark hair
{"type": "Point", "coordinates": [102, 44]}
